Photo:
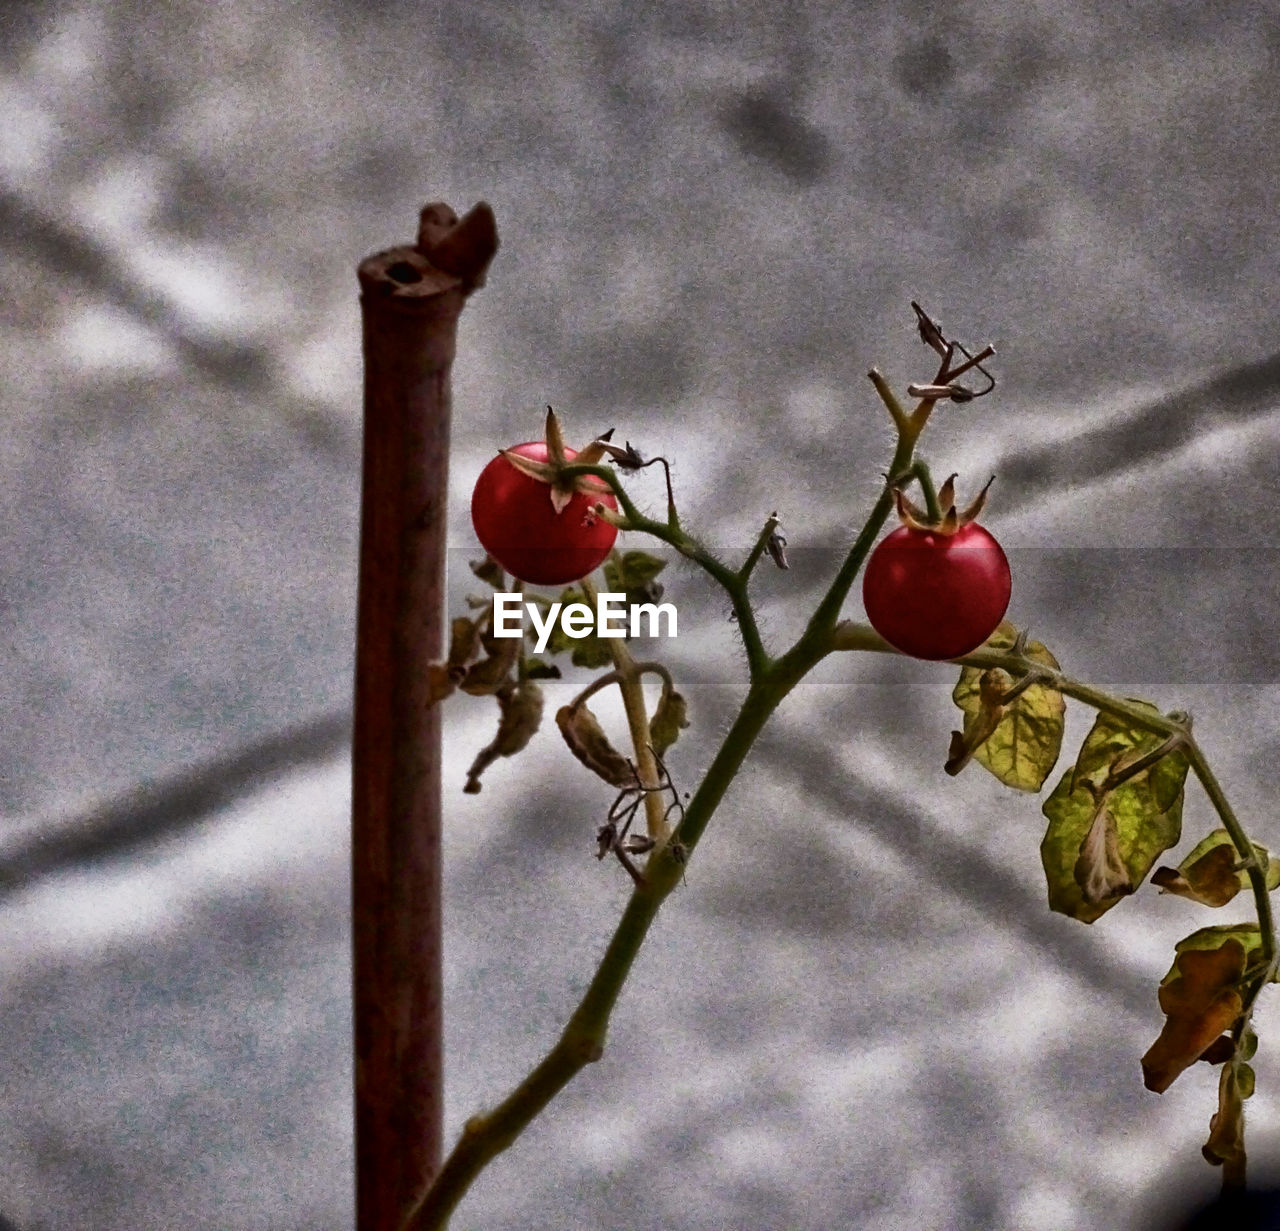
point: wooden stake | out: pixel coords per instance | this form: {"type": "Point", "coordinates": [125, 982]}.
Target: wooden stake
{"type": "Point", "coordinates": [411, 299]}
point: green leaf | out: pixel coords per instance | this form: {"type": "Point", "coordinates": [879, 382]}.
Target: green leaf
{"type": "Point", "coordinates": [1209, 874]}
{"type": "Point", "coordinates": [1025, 736]}
{"type": "Point", "coordinates": [1200, 998]}
{"type": "Point", "coordinates": [559, 641]}
{"type": "Point", "coordinates": [1145, 813]}
{"type": "Point", "coordinates": [631, 570]}
{"type": "Point", "coordinates": [591, 652]}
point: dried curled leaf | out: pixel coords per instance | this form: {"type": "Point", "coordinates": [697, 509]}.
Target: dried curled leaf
{"type": "Point", "coordinates": [1211, 875]}
{"type": "Point", "coordinates": [440, 683]}
{"type": "Point", "coordinates": [1225, 1147]}
{"type": "Point", "coordinates": [490, 674]}
{"type": "Point", "coordinates": [464, 644]}
{"type": "Point", "coordinates": [669, 718]}
{"type": "Point", "coordinates": [1200, 998]}
{"type": "Point", "coordinates": [588, 742]}
{"type": "Point", "coordinates": [490, 571]}
{"type": "Point", "coordinates": [520, 715]}
{"type": "Point", "coordinates": [1222, 1049]}
{"type": "Point", "coordinates": [1100, 871]}
{"type": "Point", "coordinates": [1146, 811]}
{"type": "Point", "coordinates": [1019, 742]}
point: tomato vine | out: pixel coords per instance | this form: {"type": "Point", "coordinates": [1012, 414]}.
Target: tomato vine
{"type": "Point", "coordinates": [1111, 816]}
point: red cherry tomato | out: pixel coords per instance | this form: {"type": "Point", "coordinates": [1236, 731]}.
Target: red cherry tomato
{"type": "Point", "coordinates": [518, 526]}
{"type": "Point", "coordinates": [935, 595]}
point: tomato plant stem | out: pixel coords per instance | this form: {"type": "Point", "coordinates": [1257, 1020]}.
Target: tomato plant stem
{"type": "Point", "coordinates": [628, 676]}
{"type": "Point", "coordinates": [733, 583]}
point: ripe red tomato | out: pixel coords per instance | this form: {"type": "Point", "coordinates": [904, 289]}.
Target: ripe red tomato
{"type": "Point", "coordinates": [518, 526]}
{"type": "Point", "coordinates": [934, 595]}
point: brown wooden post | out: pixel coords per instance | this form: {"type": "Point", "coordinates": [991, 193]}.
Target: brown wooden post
{"type": "Point", "coordinates": [411, 299]}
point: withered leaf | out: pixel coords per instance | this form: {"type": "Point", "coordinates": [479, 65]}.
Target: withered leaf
{"type": "Point", "coordinates": [464, 643]}
{"type": "Point", "coordinates": [1220, 1050]}
{"type": "Point", "coordinates": [1022, 743]}
{"type": "Point", "coordinates": [1200, 997]}
{"type": "Point", "coordinates": [669, 718]}
{"type": "Point", "coordinates": [588, 742]}
{"type": "Point", "coordinates": [1225, 1147]}
{"type": "Point", "coordinates": [520, 715]}
{"type": "Point", "coordinates": [490, 673]}
{"type": "Point", "coordinates": [1100, 872]}
{"type": "Point", "coordinates": [440, 683]}
{"type": "Point", "coordinates": [489, 570]}
{"type": "Point", "coordinates": [1209, 873]}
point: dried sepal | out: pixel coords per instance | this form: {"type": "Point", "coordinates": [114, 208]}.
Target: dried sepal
{"type": "Point", "coordinates": [909, 513]}
{"type": "Point", "coordinates": [949, 521]}
{"type": "Point", "coordinates": [979, 503]}
{"type": "Point", "coordinates": [520, 715]}
{"type": "Point", "coordinates": [588, 742]}
{"type": "Point", "coordinates": [776, 543]}
{"type": "Point", "coordinates": [629, 458]}
{"type": "Point", "coordinates": [595, 452]}
{"type": "Point", "coordinates": [554, 438]}
{"type": "Point", "coordinates": [544, 472]}
{"type": "Point", "coordinates": [440, 683]}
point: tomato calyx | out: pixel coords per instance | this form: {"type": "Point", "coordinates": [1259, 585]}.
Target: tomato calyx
{"type": "Point", "coordinates": [949, 522]}
{"type": "Point", "coordinates": [551, 472]}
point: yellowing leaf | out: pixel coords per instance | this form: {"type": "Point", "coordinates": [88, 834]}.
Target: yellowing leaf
{"type": "Point", "coordinates": [1114, 742]}
{"type": "Point", "coordinates": [1146, 812]}
{"type": "Point", "coordinates": [1201, 999]}
{"type": "Point", "coordinates": [1020, 745]}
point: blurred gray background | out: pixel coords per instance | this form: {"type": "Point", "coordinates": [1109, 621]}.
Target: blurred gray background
{"type": "Point", "coordinates": [859, 1012]}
